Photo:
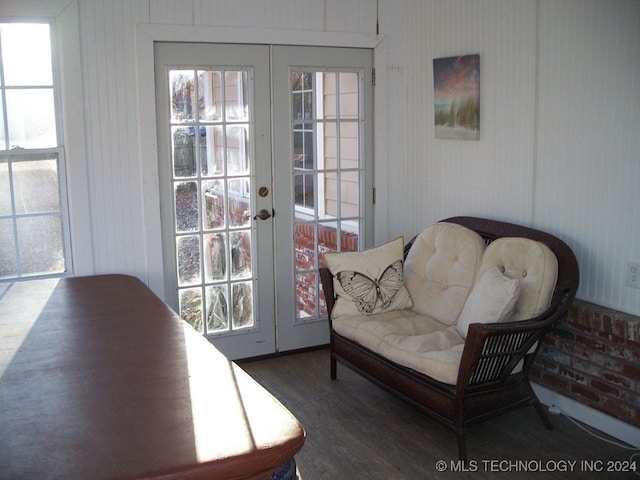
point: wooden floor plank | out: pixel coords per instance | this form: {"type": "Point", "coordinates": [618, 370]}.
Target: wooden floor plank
{"type": "Point", "coordinates": [356, 430]}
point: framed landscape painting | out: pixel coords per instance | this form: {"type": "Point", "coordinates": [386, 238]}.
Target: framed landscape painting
{"type": "Point", "coordinates": [456, 82]}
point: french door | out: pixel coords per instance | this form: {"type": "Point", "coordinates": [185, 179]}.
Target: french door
{"type": "Point", "coordinates": [265, 163]}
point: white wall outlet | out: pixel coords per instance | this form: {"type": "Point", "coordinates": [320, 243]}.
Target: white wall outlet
{"type": "Point", "coordinates": [554, 409]}
{"type": "Point", "coordinates": [633, 274]}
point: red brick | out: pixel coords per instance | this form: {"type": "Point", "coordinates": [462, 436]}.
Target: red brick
{"type": "Point", "coordinates": [618, 380]}
{"type": "Point", "coordinates": [624, 352]}
{"type": "Point", "coordinates": [586, 367]}
{"type": "Point", "coordinates": [602, 322]}
{"type": "Point", "coordinates": [582, 392]}
{"type": "Point", "coordinates": [607, 362]}
{"type": "Point", "coordinates": [631, 371]}
{"type": "Point", "coordinates": [544, 365]}
{"type": "Point", "coordinates": [555, 383]}
{"type": "Point", "coordinates": [572, 375]}
{"type": "Point", "coordinates": [634, 331]}
{"type": "Point", "coordinates": [580, 322]}
{"type": "Point", "coordinates": [591, 343]}
{"type": "Point", "coordinates": [626, 413]}
{"type": "Point", "coordinates": [619, 328]}
{"type": "Point", "coordinates": [605, 388]}
{"type": "Point", "coordinates": [577, 350]}
{"type": "Point", "coordinates": [563, 334]}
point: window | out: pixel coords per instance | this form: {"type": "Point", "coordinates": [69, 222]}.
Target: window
{"type": "Point", "coordinates": [33, 227]}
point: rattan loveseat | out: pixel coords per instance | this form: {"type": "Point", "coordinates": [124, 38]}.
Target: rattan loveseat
{"type": "Point", "coordinates": [492, 373]}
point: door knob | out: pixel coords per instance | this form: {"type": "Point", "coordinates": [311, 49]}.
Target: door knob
{"type": "Point", "coordinates": [264, 214]}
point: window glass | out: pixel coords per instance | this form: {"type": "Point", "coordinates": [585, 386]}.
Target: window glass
{"type": "Point", "coordinates": [33, 225]}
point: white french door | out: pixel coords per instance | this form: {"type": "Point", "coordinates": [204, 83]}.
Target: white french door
{"type": "Point", "coordinates": [265, 163]}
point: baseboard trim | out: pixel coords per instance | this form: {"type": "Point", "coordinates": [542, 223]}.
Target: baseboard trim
{"type": "Point", "coordinates": [589, 416]}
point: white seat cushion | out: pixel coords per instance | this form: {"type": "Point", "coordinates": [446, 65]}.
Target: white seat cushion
{"type": "Point", "coordinates": [440, 269]}
{"type": "Point", "coordinates": [409, 339]}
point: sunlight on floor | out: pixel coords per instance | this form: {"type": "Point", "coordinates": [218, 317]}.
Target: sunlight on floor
{"type": "Point", "coordinates": [14, 334]}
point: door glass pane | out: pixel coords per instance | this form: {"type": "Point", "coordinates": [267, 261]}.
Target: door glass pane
{"type": "Point", "coordinates": [242, 305]}
{"type": "Point", "coordinates": [236, 97]}
{"type": "Point", "coordinates": [237, 150]}
{"type": "Point", "coordinates": [239, 202]}
{"type": "Point", "coordinates": [211, 143]}
{"type": "Point", "coordinates": [217, 309]}
{"type": "Point", "coordinates": [186, 206]}
{"type": "Point", "coordinates": [181, 85]}
{"type": "Point", "coordinates": [210, 95]}
{"type": "Point", "coordinates": [216, 257]}
{"type": "Point", "coordinates": [213, 197]}
{"type": "Point", "coordinates": [304, 189]}
{"type": "Point", "coordinates": [190, 305]}
{"type": "Point", "coordinates": [306, 302]}
{"type": "Point", "coordinates": [188, 260]}
{"type": "Point", "coordinates": [349, 194]}
{"type": "Point", "coordinates": [327, 174]}
{"type": "Point", "coordinates": [212, 151]}
{"type": "Point", "coordinates": [240, 254]}
{"type": "Point", "coordinates": [348, 95]}
{"type": "Point", "coordinates": [184, 153]}
{"type": "Point", "coordinates": [349, 145]}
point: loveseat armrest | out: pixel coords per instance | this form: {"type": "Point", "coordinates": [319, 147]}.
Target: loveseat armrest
{"type": "Point", "coordinates": [496, 353]}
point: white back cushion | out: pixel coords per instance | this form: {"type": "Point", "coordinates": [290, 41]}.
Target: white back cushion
{"type": "Point", "coordinates": [440, 269]}
{"type": "Point", "coordinates": [532, 263]}
{"type": "Point", "coordinates": [492, 299]}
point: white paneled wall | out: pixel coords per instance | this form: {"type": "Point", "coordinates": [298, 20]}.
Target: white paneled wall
{"type": "Point", "coordinates": [560, 117]}
{"type": "Point", "coordinates": [492, 176]}
{"type": "Point", "coordinates": [588, 143]}
{"type": "Point", "coordinates": [559, 136]}
{"type": "Point", "coordinates": [114, 173]}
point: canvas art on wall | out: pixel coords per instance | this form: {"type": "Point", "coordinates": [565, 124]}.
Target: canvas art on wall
{"type": "Point", "coordinates": [456, 82]}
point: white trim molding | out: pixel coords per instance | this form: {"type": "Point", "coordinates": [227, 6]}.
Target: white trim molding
{"type": "Point", "coordinates": [589, 416]}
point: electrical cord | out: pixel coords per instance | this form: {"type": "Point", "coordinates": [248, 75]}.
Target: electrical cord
{"type": "Point", "coordinates": [599, 437]}
{"type": "Point", "coordinates": [634, 457]}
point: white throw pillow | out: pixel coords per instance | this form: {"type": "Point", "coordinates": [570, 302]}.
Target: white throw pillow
{"type": "Point", "coordinates": [370, 281]}
{"type": "Point", "coordinates": [492, 299]}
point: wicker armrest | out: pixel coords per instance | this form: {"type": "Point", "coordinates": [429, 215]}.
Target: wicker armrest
{"type": "Point", "coordinates": [493, 350]}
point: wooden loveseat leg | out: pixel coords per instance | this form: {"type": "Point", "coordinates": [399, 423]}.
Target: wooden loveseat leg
{"type": "Point", "coordinates": [334, 367]}
{"type": "Point", "coordinates": [462, 445]}
{"type": "Point", "coordinates": [543, 415]}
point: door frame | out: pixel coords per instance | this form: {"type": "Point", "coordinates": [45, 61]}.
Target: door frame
{"type": "Point", "coordinates": [147, 35]}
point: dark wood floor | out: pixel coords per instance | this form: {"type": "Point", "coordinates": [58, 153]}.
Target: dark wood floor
{"type": "Point", "coordinates": [356, 430]}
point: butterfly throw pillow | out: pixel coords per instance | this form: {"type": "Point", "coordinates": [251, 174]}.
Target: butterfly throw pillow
{"type": "Point", "coordinates": [369, 282]}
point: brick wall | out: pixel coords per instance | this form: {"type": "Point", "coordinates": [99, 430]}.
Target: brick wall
{"type": "Point", "coordinates": [593, 356]}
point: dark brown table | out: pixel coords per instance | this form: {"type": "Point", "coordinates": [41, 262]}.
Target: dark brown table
{"type": "Point", "coordinates": [100, 379]}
